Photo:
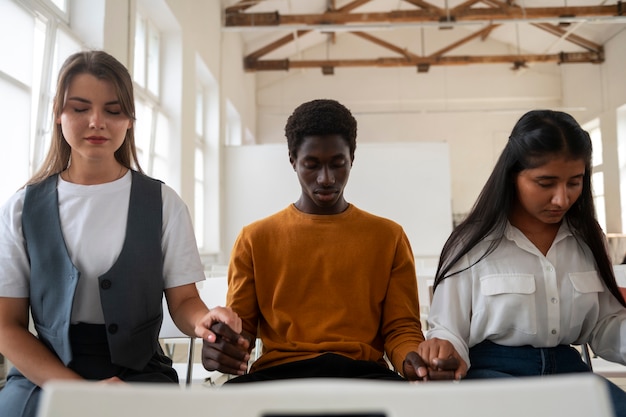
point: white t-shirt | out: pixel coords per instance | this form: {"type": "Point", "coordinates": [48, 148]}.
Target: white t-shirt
{"type": "Point", "coordinates": [517, 296]}
{"type": "Point", "coordinates": [93, 221]}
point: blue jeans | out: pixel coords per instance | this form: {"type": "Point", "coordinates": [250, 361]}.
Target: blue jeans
{"type": "Point", "coordinates": [489, 360]}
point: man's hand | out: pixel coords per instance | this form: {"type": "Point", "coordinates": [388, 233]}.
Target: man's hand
{"type": "Point", "coordinates": [416, 369]}
{"type": "Point", "coordinates": [228, 352]}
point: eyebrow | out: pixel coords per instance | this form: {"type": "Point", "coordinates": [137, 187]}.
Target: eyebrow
{"type": "Point", "coordinates": [554, 177]}
{"type": "Point", "coordinates": [83, 100]}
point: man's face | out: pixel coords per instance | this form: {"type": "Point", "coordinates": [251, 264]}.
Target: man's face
{"type": "Point", "coordinates": [323, 166]}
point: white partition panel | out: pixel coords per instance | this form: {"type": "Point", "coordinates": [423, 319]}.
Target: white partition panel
{"type": "Point", "coordinates": [406, 182]}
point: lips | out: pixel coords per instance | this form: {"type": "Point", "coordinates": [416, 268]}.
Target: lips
{"type": "Point", "coordinates": [326, 194]}
{"type": "Point", "coordinates": [96, 139]}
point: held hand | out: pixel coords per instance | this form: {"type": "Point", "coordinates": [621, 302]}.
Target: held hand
{"type": "Point", "coordinates": [416, 369]}
{"type": "Point", "coordinates": [215, 315]}
{"type": "Point", "coordinates": [443, 360]}
{"type": "Point", "coordinates": [228, 352]}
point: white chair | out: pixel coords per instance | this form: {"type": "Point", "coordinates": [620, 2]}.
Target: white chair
{"type": "Point", "coordinates": [171, 336]}
{"type": "Point", "coordinates": [577, 395]}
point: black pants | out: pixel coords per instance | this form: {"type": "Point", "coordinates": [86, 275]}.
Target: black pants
{"type": "Point", "coordinates": [327, 365]}
{"type": "Point", "coordinates": [91, 358]}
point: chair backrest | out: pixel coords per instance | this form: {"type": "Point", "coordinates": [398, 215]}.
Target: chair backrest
{"type": "Point", "coordinates": [213, 293]}
{"type": "Point", "coordinates": [213, 290]}
{"type": "Point", "coordinates": [168, 328]}
{"type": "Point", "coordinates": [580, 395]}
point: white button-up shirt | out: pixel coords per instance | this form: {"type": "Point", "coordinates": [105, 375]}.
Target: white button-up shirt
{"type": "Point", "coordinates": [517, 296]}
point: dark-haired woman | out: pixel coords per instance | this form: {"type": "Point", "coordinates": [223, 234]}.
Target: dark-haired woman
{"type": "Point", "coordinates": [527, 274]}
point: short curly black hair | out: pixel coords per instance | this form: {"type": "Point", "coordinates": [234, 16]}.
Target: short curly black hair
{"type": "Point", "coordinates": [317, 118]}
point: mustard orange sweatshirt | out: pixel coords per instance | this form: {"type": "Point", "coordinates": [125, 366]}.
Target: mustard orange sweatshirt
{"type": "Point", "coordinates": [313, 284]}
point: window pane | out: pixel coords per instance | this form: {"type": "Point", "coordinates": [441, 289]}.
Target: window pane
{"type": "Point", "coordinates": [16, 58]}
{"type": "Point", "coordinates": [600, 211]}
{"type": "Point", "coordinates": [15, 121]}
{"type": "Point", "coordinates": [61, 4]}
{"type": "Point", "coordinates": [139, 65]}
{"type": "Point", "coordinates": [596, 143]}
{"type": "Point", "coordinates": [160, 169]}
{"type": "Point", "coordinates": [161, 143]}
{"type": "Point", "coordinates": [597, 183]}
{"type": "Point", "coordinates": [200, 112]}
{"type": "Point", "coordinates": [199, 213]}
{"type": "Point", "coordinates": [143, 128]}
{"type": "Point", "coordinates": [199, 164]}
{"type": "Point", "coordinates": [154, 43]}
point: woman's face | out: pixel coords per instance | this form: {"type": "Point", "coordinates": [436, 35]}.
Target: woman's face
{"type": "Point", "coordinates": [545, 193]}
{"type": "Point", "coordinates": [92, 120]}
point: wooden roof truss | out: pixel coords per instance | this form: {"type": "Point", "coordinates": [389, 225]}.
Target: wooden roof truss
{"type": "Point", "coordinates": [492, 12]}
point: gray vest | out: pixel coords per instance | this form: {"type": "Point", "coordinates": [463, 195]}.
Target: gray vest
{"type": "Point", "coordinates": [130, 292]}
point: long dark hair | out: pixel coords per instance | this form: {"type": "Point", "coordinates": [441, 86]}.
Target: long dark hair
{"type": "Point", "coordinates": [537, 137]}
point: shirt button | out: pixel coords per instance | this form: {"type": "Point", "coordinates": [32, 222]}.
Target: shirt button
{"type": "Point", "coordinates": [554, 300]}
{"type": "Point", "coordinates": [113, 328]}
{"type": "Point", "coordinates": [553, 331]}
{"type": "Point", "coordinates": [105, 284]}
{"type": "Point", "coordinates": [549, 269]}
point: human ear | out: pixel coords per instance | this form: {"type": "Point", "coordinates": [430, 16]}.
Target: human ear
{"type": "Point", "coordinates": [292, 161]}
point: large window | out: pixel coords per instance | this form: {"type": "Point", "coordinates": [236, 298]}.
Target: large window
{"type": "Point", "coordinates": [29, 63]}
{"type": "Point", "coordinates": [597, 179]}
{"type": "Point", "coordinates": [152, 129]}
{"type": "Point", "coordinates": [199, 171]}
{"type": "Point", "coordinates": [621, 153]}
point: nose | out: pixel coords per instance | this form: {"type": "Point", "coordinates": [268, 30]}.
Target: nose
{"type": "Point", "coordinates": [325, 177]}
{"type": "Point", "coordinates": [96, 120]}
{"type": "Point", "coordinates": [560, 197]}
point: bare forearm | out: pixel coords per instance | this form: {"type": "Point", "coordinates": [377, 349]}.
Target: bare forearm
{"type": "Point", "coordinates": [188, 313]}
{"type": "Point", "coordinates": [31, 357]}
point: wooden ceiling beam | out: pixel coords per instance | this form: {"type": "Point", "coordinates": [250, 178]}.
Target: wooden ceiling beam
{"type": "Point", "coordinates": [517, 60]}
{"type": "Point", "coordinates": [272, 46]}
{"type": "Point", "coordinates": [575, 39]}
{"type": "Point", "coordinates": [468, 14]}
{"type": "Point", "coordinates": [402, 51]}
{"type": "Point", "coordinates": [242, 5]}
{"type": "Point", "coordinates": [426, 6]}
{"type": "Point", "coordinates": [480, 33]}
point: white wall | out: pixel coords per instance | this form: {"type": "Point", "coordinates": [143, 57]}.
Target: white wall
{"type": "Point", "coordinates": [472, 108]}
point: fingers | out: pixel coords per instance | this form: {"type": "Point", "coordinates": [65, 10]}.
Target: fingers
{"type": "Point", "coordinates": [414, 367]}
{"type": "Point", "coordinates": [443, 361]}
{"type": "Point", "coordinates": [446, 364]}
{"type": "Point", "coordinates": [218, 315]}
{"type": "Point", "coordinates": [227, 352]}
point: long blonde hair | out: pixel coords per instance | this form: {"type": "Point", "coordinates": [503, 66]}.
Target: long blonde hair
{"type": "Point", "coordinates": [105, 67]}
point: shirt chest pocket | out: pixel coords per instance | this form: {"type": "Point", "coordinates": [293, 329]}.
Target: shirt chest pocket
{"type": "Point", "coordinates": [586, 282]}
{"type": "Point", "coordinates": [585, 304]}
{"type": "Point", "coordinates": [508, 303]}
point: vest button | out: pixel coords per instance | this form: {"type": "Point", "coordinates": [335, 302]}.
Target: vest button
{"type": "Point", "coordinates": [113, 328]}
{"type": "Point", "coordinates": [105, 284]}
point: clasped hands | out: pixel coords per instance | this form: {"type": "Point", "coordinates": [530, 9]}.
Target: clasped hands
{"type": "Point", "coordinates": [436, 359]}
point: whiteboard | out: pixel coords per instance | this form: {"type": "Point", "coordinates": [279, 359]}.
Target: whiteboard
{"type": "Point", "coordinates": [405, 182]}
